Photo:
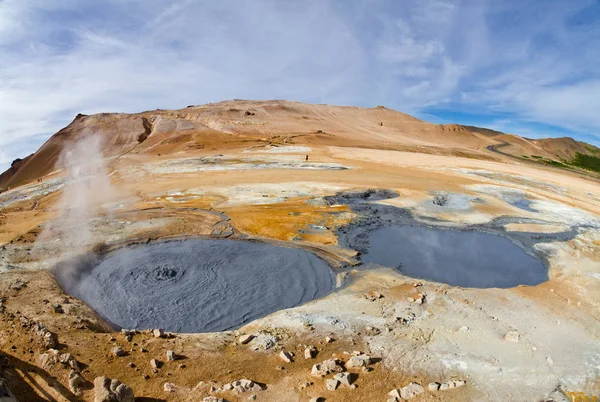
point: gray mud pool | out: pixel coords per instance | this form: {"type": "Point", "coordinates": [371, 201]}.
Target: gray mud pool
{"type": "Point", "coordinates": [199, 285]}
{"type": "Point", "coordinates": [458, 258]}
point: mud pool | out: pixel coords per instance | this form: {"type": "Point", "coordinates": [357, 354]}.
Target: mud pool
{"type": "Point", "coordinates": [199, 285]}
{"type": "Point", "coordinates": [479, 256]}
{"type": "Point", "coordinates": [458, 258]}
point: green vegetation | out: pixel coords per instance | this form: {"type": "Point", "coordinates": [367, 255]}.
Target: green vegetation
{"type": "Point", "coordinates": [587, 162]}
{"type": "Point", "coordinates": [592, 149]}
{"type": "Point", "coordinates": [525, 156]}
{"type": "Point", "coordinates": [555, 163]}
{"type": "Point", "coordinates": [537, 157]}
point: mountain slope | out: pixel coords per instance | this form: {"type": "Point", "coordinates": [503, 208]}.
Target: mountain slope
{"type": "Point", "coordinates": [240, 123]}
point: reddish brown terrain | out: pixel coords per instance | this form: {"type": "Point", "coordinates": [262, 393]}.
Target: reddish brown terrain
{"type": "Point", "coordinates": [239, 169]}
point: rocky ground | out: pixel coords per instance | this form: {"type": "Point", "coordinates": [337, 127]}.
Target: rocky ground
{"type": "Point", "coordinates": [379, 336]}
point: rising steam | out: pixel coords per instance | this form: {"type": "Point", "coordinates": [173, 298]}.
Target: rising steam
{"type": "Point", "coordinates": [86, 189]}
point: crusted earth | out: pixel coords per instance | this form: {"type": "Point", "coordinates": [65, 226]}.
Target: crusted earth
{"type": "Point", "coordinates": [316, 180]}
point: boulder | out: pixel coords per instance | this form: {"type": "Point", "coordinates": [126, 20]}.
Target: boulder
{"type": "Point", "coordinates": [156, 363]}
{"type": "Point", "coordinates": [76, 382]}
{"type": "Point", "coordinates": [49, 340]}
{"type": "Point", "coordinates": [344, 378]}
{"type": "Point", "coordinates": [332, 385]}
{"type": "Point", "coordinates": [359, 361]}
{"type": "Point", "coordinates": [169, 387]}
{"type": "Point", "coordinates": [68, 360]}
{"type": "Point", "coordinates": [285, 356]}
{"type": "Point", "coordinates": [107, 390]}
{"type": "Point", "coordinates": [434, 386]}
{"type": "Point", "coordinates": [326, 367]}
{"type": "Point", "coordinates": [213, 399]}
{"type": "Point", "coordinates": [394, 394]}
{"type": "Point", "coordinates": [411, 390]}
{"type": "Point", "coordinates": [158, 333]}
{"type": "Point", "coordinates": [171, 356]}
{"type": "Point", "coordinates": [119, 351]}
{"type": "Point", "coordinates": [243, 385]}
{"type": "Point", "coordinates": [49, 359]}
{"type": "Point", "coordinates": [310, 352]}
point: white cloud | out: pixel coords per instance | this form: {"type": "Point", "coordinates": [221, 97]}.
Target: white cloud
{"type": "Point", "coordinates": [60, 58]}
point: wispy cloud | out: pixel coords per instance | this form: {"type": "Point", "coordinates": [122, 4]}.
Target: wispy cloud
{"type": "Point", "coordinates": [536, 61]}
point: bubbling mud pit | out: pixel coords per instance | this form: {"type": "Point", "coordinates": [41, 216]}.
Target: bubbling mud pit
{"type": "Point", "coordinates": [198, 285]}
{"type": "Point", "coordinates": [478, 256]}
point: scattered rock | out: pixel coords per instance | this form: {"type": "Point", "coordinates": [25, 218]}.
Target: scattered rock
{"type": "Point", "coordinates": [317, 399]}
{"type": "Point", "coordinates": [213, 399]}
{"type": "Point", "coordinates": [169, 387]}
{"type": "Point", "coordinates": [264, 341]}
{"type": "Point", "coordinates": [408, 392]}
{"type": "Point", "coordinates": [49, 359]}
{"type": "Point", "coordinates": [361, 360]}
{"type": "Point", "coordinates": [243, 385]}
{"type": "Point", "coordinates": [344, 378]}
{"type": "Point", "coordinates": [373, 295]}
{"type": "Point", "coordinates": [329, 339]}
{"type": "Point", "coordinates": [512, 336]}
{"type": "Point", "coordinates": [419, 299]}
{"type": "Point", "coordinates": [411, 390]}
{"type": "Point", "coordinates": [107, 390]}
{"type": "Point", "coordinates": [244, 339]}
{"type": "Point", "coordinates": [158, 333]}
{"type": "Point", "coordinates": [172, 356]}
{"type": "Point", "coordinates": [310, 352]}
{"type": "Point", "coordinates": [444, 386]}
{"type": "Point", "coordinates": [434, 386]}
{"type": "Point", "coordinates": [327, 367]}
{"type": "Point", "coordinates": [18, 284]}
{"type": "Point", "coordinates": [332, 385]}
{"type": "Point", "coordinates": [57, 308]}
{"type": "Point", "coordinates": [76, 382]}
{"type": "Point", "coordinates": [119, 351]}
{"type": "Point", "coordinates": [285, 356]}
{"type": "Point", "coordinates": [69, 360]}
{"type": "Point", "coordinates": [156, 363]}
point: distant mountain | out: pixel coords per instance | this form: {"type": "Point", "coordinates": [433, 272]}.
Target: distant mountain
{"type": "Point", "coordinates": [233, 124]}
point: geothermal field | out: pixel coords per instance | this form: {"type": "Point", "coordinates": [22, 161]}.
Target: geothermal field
{"type": "Point", "coordinates": [281, 251]}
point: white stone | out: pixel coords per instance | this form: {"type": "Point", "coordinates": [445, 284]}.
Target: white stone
{"type": "Point", "coordinates": [434, 386]}
{"type": "Point", "coordinates": [158, 333]}
{"type": "Point", "coordinates": [332, 384]}
{"type": "Point", "coordinates": [359, 361]}
{"type": "Point", "coordinates": [344, 378]}
{"type": "Point", "coordinates": [411, 390]}
{"type": "Point", "coordinates": [326, 367]}
{"type": "Point", "coordinates": [285, 356]}
{"type": "Point", "coordinates": [310, 352]}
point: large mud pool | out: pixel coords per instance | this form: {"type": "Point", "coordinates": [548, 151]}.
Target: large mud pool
{"type": "Point", "coordinates": [458, 258]}
{"type": "Point", "coordinates": [199, 285]}
{"type": "Point", "coordinates": [480, 256]}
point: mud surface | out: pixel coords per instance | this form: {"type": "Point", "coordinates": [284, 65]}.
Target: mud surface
{"type": "Point", "coordinates": [483, 256]}
{"type": "Point", "coordinates": [198, 285]}
{"type": "Point", "coordinates": [458, 258]}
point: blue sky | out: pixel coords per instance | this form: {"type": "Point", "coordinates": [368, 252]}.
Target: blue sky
{"type": "Point", "coordinates": [526, 67]}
